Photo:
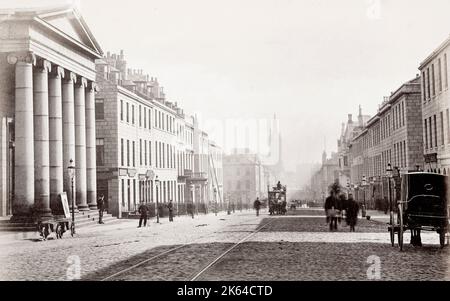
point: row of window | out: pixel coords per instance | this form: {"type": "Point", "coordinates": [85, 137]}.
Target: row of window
{"type": "Point", "coordinates": [161, 120]}
{"type": "Point", "coordinates": [164, 154]}
{"type": "Point", "coordinates": [383, 129]}
{"type": "Point", "coordinates": [429, 82]}
{"type": "Point", "coordinates": [430, 129]}
{"type": "Point", "coordinates": [376, 165]}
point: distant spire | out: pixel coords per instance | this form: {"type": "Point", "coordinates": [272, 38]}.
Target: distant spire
{"type": "Point", "coordinates": [360, 110]}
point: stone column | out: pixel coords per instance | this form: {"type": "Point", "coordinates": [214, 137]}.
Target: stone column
{"type": "Point", "coordinates": [68, 108]}
{"type": "Point", "coordinates": [41, 139]}
{"type": "Point", "coordinates": [56, 133]}
{"type": "Point", "coordinates": [91, 155]}
{"type": "Point", "coordinates": [24, 140]}
{"type": "Point", "coordinates": [80, 144]}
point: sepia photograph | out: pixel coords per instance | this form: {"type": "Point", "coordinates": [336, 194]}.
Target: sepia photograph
{"type": "Point", "coordinates": [208, 141]}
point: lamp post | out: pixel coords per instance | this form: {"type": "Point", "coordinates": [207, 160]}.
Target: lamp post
{"type": "Point", "coordinates": [191, 188]}
{"type": "Point", "coordinates": [389, 176]}
{"type": "Point", "coordinates": [364, 184]}
{"type": "Point", "coordinates": [157, 182]}
{"type": "Point", "coordinates": [215, 200]}
{"type": "Point", "coordinates": [71, 171]}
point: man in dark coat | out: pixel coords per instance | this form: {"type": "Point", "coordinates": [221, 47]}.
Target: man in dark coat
{"type": "Point", "coordinates": [170, 207]}
{"type": "Point", "coordinates": [190, 209]}
{"type": "Point", "coordinates": [331, 210]}
{"type": "Point", "coordinates": [257, 206]}
{"type": "Point", "coordinates": [279, 187]}
{"type": "Point", "coordinates": [101, 208]}
{"type": "Point", "coordinates": [143, 211]}
{"type": "Point", "coordinates": [352, 212]}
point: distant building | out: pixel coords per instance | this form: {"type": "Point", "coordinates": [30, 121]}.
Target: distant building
{"type": "Point", "coordinates": [244, 177]}
{"type": "Point", "coordinates": [435, 109]}
{"type": "Point", "coordinates": [349, 131]}
{"type": "Point", "coordinates": [325, 176]}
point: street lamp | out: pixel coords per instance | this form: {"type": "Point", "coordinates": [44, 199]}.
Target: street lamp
{"type": "Point", "coordinates": [215, 199]}
{"type": "Point", "coordinates": [71, 171]}
{"type": "Point", "coordinates": [157, 182]}
{"type": "Point", "coordinates": [192, 199]}
{"type": "Point", "coordinates": [389, 176]}
{"type": "Point", "coordinates": [364, 184]}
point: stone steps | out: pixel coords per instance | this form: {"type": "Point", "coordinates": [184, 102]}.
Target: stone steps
{"type": "Point", "coordinates": [82, 219]}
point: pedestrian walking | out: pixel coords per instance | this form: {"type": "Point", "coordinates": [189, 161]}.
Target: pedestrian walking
{"type": "Point", "coordinates": [143, 211]}
{"type": "Point", "coordinates": [331, 207]}
{"type": "Point", "coordinates": [170, 207]}
{"type": "Point", "coordinates": [101, 208]}
{"type": "Point", "coordinates": [351, 210]}
{"type": "Point", "coordinates": [257, 206]}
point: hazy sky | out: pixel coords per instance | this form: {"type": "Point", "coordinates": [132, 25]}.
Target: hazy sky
{"type": "Point", "coordinates": [309, 61]}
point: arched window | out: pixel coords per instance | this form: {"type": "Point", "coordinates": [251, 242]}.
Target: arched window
{"type": "Point", "coordinates": [445, 172]}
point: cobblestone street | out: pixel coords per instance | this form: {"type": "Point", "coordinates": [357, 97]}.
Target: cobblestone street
{"type": "Point", "coordinates": [296, 247]}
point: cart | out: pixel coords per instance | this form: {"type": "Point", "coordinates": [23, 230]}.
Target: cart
{"type": "Point", "coordinates": [422, 207]}
{"type": "Point", "coordinates": [60, 222]}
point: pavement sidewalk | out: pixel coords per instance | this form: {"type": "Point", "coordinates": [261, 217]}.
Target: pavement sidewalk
{"type": "Point", "coordinates": [121, 224]}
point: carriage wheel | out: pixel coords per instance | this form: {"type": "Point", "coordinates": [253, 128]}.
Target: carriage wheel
{"type": "Point", "coordinates": [391, 228]}
{"type": "Point", "coordinates": [400, 225]}
{"type": "Point", "coordinates": [442, 237]}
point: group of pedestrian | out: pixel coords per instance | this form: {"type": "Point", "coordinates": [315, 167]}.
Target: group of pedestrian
{"type": "Point", "coordinates": [143, 212]}
{"type": "Point", "coordinates": [336, 204]}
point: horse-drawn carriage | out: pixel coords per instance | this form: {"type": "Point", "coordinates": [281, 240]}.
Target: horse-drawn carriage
{"type": "Point", "coordinates": [422, 206]}
{"type": "Point", "coordinates": [277, 200]}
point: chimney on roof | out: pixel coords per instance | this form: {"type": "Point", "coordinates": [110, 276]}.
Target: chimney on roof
{"type": "Point", "coordinates": [350, 118]}
{"type": "Point", "coordinates": [108, 54]}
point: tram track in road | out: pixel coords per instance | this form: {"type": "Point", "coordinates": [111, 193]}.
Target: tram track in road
{"type": "Point", "coordinates": [179, 247]}
{"type": "Point", "coordinates": [218, 258]}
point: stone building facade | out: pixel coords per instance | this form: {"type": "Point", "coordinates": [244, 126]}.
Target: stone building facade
{"type": "Point", "coordinates": [393, 135]}
{"type": "Point", "coordinates": [152, 151]}
{"type": "Point", "coordinates": [435, 109]}
{"type": "Point", "coordinates": [47, 110]}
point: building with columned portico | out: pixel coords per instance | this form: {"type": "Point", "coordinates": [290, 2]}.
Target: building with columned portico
{"type": "Point", "coordinates": [47, 110]}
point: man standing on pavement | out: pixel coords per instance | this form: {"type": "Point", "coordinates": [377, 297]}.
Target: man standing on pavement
{"type": "Point", "coordinates": [101, 208]}
{"type": "Point", "coordinates": [143, 211]}
{"type": "Point", "coordinates": [257, 206]}
{"type": "Point", "coordinates": [170, 207]}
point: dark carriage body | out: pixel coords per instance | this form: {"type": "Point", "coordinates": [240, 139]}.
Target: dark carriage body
{"type": "Point", "coordinates": [425, 201]}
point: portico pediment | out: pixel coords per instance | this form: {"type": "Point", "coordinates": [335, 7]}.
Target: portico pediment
{"type": "Point", "coordinates": [68, 22]}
